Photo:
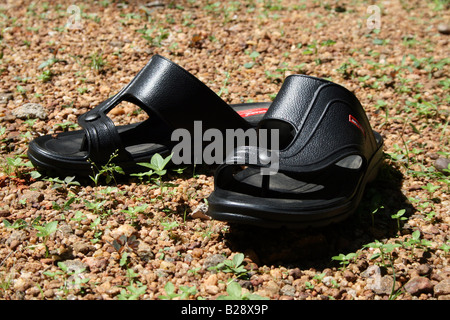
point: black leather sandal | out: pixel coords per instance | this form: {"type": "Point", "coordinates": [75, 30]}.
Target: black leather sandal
{"type": "Point", "coordinates": [172, 97]}
{"type": "Point", "coordinates": [328, 153]}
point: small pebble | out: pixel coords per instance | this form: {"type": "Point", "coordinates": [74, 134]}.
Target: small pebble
{"type": "Point", "coordinates": [444, 28]}
{"type": "Point", "coordinates": [30, 111]}
{"type": "Point", "coordinates": [418, 285]}
{"type": "Point", "coordinates": [5, 97]}
{"type": "Point", "coordinates": [441, 164]}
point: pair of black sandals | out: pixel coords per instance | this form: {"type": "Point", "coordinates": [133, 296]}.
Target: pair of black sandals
{"type": "Point", "coordinates": [327, 151]}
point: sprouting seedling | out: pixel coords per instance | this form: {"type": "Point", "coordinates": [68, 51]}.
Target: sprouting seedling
{"type": "Point", "coordinates": [132, 292]}
{"type": "Point", "coordinates": [170, 226]}
{"type": "Point", "coordinates": [445, 247]}
{"type": "Point", "coordinates": [21, 224]}
{"type": "Point", "coordinates": [97, 61]}
{"type": "Point", "coordinates": [170, 292]}
{"type": "Point", "coordinates": [188, 291]}
{"type": "Point", "coordinates": [108, 170]}
{"type": "Point", "coordinates": [373, 214]}
{"type": "Point", "coordinates": [157, 166]}
{"type": "Point", "coordinates": [45, 231]}
{"type": "Point", "coordinates": [66, 126]}
{"type": "Point", "coordinates": [344, 259]}
{"type": "Point", "coordinates": [309, 285]}
{"type": "Point", "coordinates": [133, 212]}
{"type": "Point", "coordinates": [253, 55]}
{"type": "Point", "coordinates": [16, 166]}
{"type": "Point", "coordinates": [95, 206]}
{"type": "Point", "coordinates": [66, 183]}
{"type": "Point", "coordinates": [72, 278]}
{"type": "Point", "coordinates": [415, 241]}
{"type": "Point", "coordinates": [319, 276]}
{"type": "Point", "coordinates": [399, 217]}
{"type": "Point", "coordinates": [384, 250]}
{"type": "Point", "coordinates": [46, 76]}
{"type": "Point", "coordinates": [18, 224]}
{"type": "Point", "coordinates": [65, 206]}
{"type": "Point", "coordinates": [79, 216]}
{"type": "Point", "coordinates": [234, 291]}
{"type": "Point", "coordinates": [233, 266]}
{"type": "Point", "coordinates": [49, 62]}
{"type": "Point", "coordinates": [430, 188]}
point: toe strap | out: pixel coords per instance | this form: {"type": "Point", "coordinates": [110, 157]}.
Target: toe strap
{"type": "Point", "coordinates": [101, 138]}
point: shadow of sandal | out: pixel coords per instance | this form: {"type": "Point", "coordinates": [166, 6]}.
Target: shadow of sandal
{"type": "Point", "coordinates": [315, 247]}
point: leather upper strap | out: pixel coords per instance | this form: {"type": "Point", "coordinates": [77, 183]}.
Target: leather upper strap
{"type": "Point", "coordinates": [167, 91]}
{"type": "Point", "coordinates": [328, 124]}
{"type": "Point", "coordinates": [178, 98]}
{"type": "Point", "coordinates": [101, 138]}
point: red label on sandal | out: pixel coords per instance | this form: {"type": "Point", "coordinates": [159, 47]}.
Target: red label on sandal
{"type": "Point", "coordinates": [251, 112]}
{"type": "Point", "coordinates": [353, 120]}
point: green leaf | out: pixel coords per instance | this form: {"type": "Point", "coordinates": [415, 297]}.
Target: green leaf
{"type": "Point", "coordinates": [62, 266]}
{"type": "Point", "coordinates": [237, 259]}
{"type": "Point", "coordinates": [350, 256]}
{"type": "Point", "coordinates": [390, 246]}
{"type": "Point", "coordinates": [254, 296]}
{"type": "Point", "coordinates": [254, 54]}
{"type": "Point", "coordinates": [51, 227]}
{"type": "Point", "coordinates": [415, 235]}
{"type": "Point", "coordinates": [157, 161]}
{"type": "Point", "coordinates": [249, 65]}
{"type": "Point", "coordinates": [123, 259]}
{"type": "Point", "coordinates": [340, 257]}
{"type": "Point", "coordinates": [166, 161]}
{"type": "Point", "coordinates": [7, 224]}
{"type": "Point", "coordinates": [234, 290]}
{"type": "Point", "coordinates": [47, 63]}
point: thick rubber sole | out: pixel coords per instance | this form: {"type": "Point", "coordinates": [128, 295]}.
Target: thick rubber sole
{"type": "Point", "coordinates": [238, 212]}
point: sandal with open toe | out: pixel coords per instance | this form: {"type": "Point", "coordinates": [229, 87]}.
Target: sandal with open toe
{"type": "Point", "coordinates": [327, 154]}
{"type": "Point", "coordinates": [171, 96]}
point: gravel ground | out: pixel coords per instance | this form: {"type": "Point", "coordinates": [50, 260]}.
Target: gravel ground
{"type": "Point", "coordinates": [130, 239]}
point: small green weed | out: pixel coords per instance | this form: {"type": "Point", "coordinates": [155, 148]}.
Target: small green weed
{"type": "Point", "coordinates": [98, 62]}
{"type": "Point", "coordinates": [253, 56]}
{"type": "Point", "coordinates": [232, 266]}
{"type": "Point", "coordinates": [46, 76]}
{"type": "Point", "coordinates": [157, 166]}
{"type": "Point", "coordinates": [234, 291]}
{"type": "Point", "coordinates": [186, 292]}
{"type": "Point", "coordinates": [133, 212]}
{"type": "Point", "coordinates": [399, 216]}
{"type": "Point", "coordinates": [415, 241]}
{"type": "Point", "coordinates": [107, 170]}
{"type": "Point", "coordinates": [170, 226]}
{"type": "Point", "coordinates": [132, 291]}
{"type": "Point", "coordinates": [65, 184]}
{"type": "Point", "coordinates": [72, 279]}
{"type": "Point", "coordinates": [384, 250]}
{"type": "Point", "coordinates": [345, 259]}
{"type": "Point", "coordinates": [66, 126]}
{"type": "Point", "coordinates": [19, 168]}
{"type": "Point", "coordinates": [21, 224]}
{"type": "Point", "coordinates": [45, 231]}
